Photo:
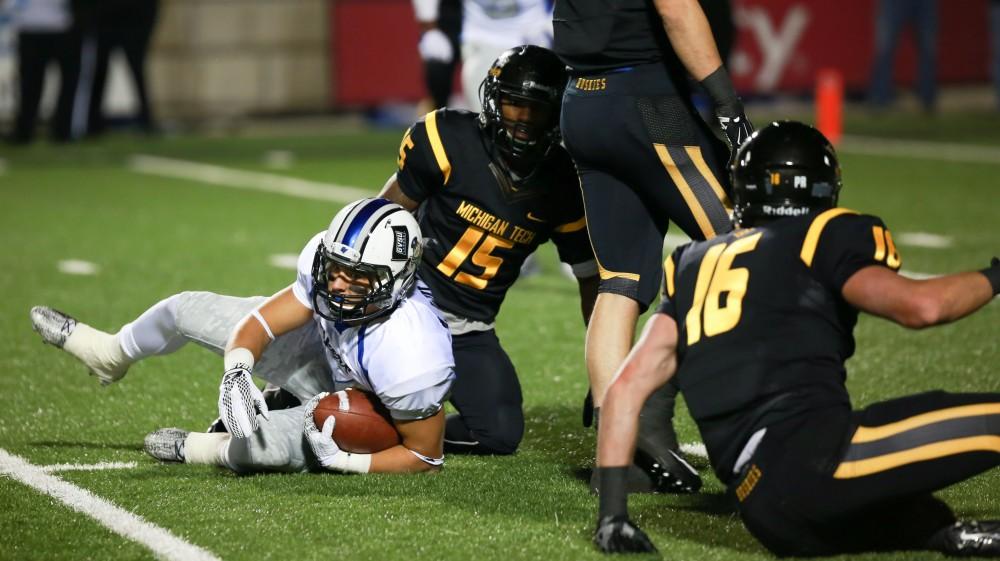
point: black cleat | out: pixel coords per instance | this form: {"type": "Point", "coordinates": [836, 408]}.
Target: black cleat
{"type": "Point", "coordinates": [668, 472]}
{"type": "Point", "coordinates": [969, 539]}
{"type": "Point", "coordinates": [656, 450]}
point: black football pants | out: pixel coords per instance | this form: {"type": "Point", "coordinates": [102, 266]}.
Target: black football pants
{"type": "Point", "coordinates": [835, 481]}
{"type": "Point", "coordinates": [645, 159]}
{"type": "Point", "coordinates": [487, 395]}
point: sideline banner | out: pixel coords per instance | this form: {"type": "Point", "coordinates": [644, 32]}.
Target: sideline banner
{"type": "Point", "coordinates": [780, 47]}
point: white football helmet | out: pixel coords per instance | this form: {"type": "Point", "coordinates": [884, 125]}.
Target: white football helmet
{"type": "Point", "coordinates": [373, 239]}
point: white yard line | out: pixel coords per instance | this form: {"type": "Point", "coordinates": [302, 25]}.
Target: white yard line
{"type": "Point", "coordinates": [916, 275]}
{"type": "Point", "coordinates": [250, 180]}
{"type": "Point", "coordinates": [163, 544]}
{"type": "Point", "coordinates": [920, 149]}
{"type": "Point", "coordinates": [924, 239]}
{"type": "Point", "coordinates": [77, 267]}
{"type": "Point", "coordinates": [284, 260]}
{"type": "Point", "coordinates": [88, 467]}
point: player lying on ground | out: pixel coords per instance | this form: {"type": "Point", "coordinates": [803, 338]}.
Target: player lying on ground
{"type": "Point", "coordinates": [355, 316]}
{"type": "Point", "coordinates": [488, 189]}
{"type": "Point", "coordinates": [757, 324]}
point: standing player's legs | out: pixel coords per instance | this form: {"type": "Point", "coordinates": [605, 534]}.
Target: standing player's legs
{"type": "Point", "coordinates": [487, 395]}
{"type": "Point", "coordinates": [294, 361]}
{"type": "Point", "coordinates": [657, 163]}
{"type": "Point", "coordinates": [835, 482]}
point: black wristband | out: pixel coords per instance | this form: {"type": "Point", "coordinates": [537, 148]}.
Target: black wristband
{"type": "Point", "coordinates": [719, 87]}
{"type": "Point", "coordinates": [612, 491]}
{"type": "Point", "coordinates": [993, 275]}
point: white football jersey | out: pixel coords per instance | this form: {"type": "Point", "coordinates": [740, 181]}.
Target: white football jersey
{"type": "Point", "coordinates": [507, 22]}
{"type": "Point", "coordinates": [405, 357]}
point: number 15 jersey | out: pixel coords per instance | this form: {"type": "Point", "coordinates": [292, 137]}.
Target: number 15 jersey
{"type": "Point", "coordinates": [479, 224]}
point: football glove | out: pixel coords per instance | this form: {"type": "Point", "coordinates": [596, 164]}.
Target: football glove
{"type": "Point", "coordinates": [321, 441]}
{"type": "Point", "coordinates": [240, 402]}
{"type": "Point", "coordinates": [617, 534]}
{"type": "Point", "coordinates": [736, 128]}
{"type": "Point", "coordinates": [434, 46]}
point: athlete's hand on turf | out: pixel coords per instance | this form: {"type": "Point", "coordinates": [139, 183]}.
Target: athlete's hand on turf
{"type": "Point", "coordinates": [240, 402]}
{"type": "Point", "coordinates": [737, 129]}
{"type": "Point", "coordinates": [321, 441]}
{"type": "Point", "coordinates": [617, 534]}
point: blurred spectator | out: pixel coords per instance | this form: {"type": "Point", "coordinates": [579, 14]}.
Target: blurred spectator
{"type": "Point", "coordinates": [440, 27]}
{"type": "Point", "coordinates": [490, 27]}
{"type": "Point", "coordinates": [995, 39]}
{"type": "Point", "coordinates": [48, 31]}
{"type": "Point", "coordinates": [128, 25]}
{"type": "Point", "coordinates": [890, 19]}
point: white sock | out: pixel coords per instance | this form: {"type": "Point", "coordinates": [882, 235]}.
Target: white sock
{"type": "Point", "coordinates": [100, 351]}
{"type": "Point", "coordinates": [210, 448]}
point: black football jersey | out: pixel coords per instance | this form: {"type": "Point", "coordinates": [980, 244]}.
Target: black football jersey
{"type": "Point", "coordinates": [480, 225]}
{"type": "Point", "coordinates": [763, 331]}
{"type": "Point", "coordinates": [600, 35]}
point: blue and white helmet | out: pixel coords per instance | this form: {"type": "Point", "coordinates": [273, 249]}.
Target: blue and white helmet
{"type": "Point", "coordinates": [371, 238]}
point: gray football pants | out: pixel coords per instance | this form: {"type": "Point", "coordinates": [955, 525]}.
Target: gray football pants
{"type": "Point", "coordinates": [294, 361]}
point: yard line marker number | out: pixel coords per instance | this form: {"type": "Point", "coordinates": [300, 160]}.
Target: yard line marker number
{"type": "Point", "coordinates": [162, 543]}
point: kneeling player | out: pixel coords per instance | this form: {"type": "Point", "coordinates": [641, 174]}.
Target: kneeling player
{"type": "Point", "coordinates": [757, 325]}
{"type": "Point", "coordinates": [355, 316]}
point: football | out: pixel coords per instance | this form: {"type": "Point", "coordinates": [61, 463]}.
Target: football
{"type": "Point", "coordinates": [363, 423]}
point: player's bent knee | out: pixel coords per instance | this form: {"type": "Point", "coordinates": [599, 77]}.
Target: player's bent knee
{"type": "Point", "coordinates": [505, 436]}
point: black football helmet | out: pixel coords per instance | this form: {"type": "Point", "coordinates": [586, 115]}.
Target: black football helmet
{"type": "Point", "coordinates": [524, 74]}
{"type": "Point", "coordinates": [784, 169]}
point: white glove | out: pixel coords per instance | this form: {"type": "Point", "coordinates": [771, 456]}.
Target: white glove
{"type": "Point", "coordinates": [239, 402]}
{"type": "Point", "coordinates": [321, 442]}
{"type": "Point", "coordinates": [435, 46]}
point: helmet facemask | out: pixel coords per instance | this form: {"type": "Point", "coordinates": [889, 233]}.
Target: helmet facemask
{"type": "Point", "coordinates": [369, 287]}
{"type": "Point", "coordinates": [366, 262]}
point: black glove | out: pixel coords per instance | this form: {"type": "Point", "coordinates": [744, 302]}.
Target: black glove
{"type": "Point", "coordinates": [617, 534]}
{"type": "Point", "coordinates": [728, 109]}
{"type": "Point", "coordinates": [737, 129]}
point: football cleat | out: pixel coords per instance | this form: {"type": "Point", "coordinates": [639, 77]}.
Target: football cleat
{"type": "Point", "coordinates": [668, 472]}
{"type": "Point", "coordinates": [166, 445]}
{"type": "Point", "coordinates": [969, 539]}
{"type": "Point", "coordinates": [54, 326]}
{"type": "Point", "coordinates": [656, 449]}
{"type": "Point", "coordinates": [99, 351]}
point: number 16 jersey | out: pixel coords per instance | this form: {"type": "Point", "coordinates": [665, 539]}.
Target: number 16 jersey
{"type": "Point", "coordinates": [478, 223]}
{"type": "Point", "coordinates": [763, 330]}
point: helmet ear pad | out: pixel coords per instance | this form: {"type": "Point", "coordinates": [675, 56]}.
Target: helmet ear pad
{"type": "Point", "coordinates": [527, 74]}
{"type": "Point", "coordinates": [784, 169]}
{"type": "Point", "coordinates": [372, 239]}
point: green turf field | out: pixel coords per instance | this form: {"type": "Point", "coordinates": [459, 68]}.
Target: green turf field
{"type": "Point", "coordinates": [152, 236]}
